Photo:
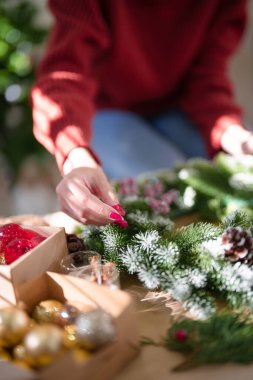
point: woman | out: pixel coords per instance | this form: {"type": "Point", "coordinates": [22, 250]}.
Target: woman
{"type": "Point", "coordinates": [148, 78]}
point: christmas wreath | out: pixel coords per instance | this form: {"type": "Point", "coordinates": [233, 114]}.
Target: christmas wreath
{"type": "Point", "coordinates": [203, 265]}
{"type": "Point", "coordinates": [207, 266]}
{"type": "Point", "coordinates": [212, 189]}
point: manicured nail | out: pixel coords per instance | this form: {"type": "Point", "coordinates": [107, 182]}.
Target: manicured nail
{"type": "Point", "coordinates": [120, 209]}
{"type": "Point", "coordinates": [123, 224]}
{"type": "Point", "coordinates": [116, 217]}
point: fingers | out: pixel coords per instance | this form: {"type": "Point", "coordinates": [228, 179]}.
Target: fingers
{"type": "Point", "coordinates": [247, 146]}
{"type": "Point", "coordinates": [99, 212]}
{"type": "Point", "coordinates": [105, 192]}
{"type": "Point", "coordinates": [77, 201]}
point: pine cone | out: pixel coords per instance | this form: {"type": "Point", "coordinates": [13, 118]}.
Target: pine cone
{"type": "Point", "coordinates": [74, 243]}
{"type": "Point", "coordinates": [238, 245]}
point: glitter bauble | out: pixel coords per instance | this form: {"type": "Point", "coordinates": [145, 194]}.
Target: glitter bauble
{"type": "Point", "coordinates": [21, 364]}
{"type": "Point", "coordinates": [68, 315]}
{"type": "Point", "coordinates": [17, 248]}
{"type": "Point", "coordinates": [70, 339]}
{"type": "Point", "coordinates": [48, 311]}
{"type": "Point", "coordinates": [19, 352]}
{"type": "Point", "coordinates": [94, 329]}
{"type": "Point", "coordinates": [81, 355]}
{"type": "Point", "coordinates": [43, 344]}
{"type": "Point", "coordinates": [14, 324]}
{"type": "Point", "coordinates": [4, 356]}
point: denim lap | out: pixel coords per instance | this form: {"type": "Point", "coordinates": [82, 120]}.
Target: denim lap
{"type": "Point", "coordinates": [129, 145]}
{"type": "Point", "coordinates": [176, 127]}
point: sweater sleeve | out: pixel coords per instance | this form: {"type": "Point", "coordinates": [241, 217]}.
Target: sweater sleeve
{"type": "Point", "coordinates": [208, 94]}
{"type": "Point", "coordinates": [62, 97]}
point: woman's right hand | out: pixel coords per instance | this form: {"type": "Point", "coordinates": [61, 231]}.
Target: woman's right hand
{"type": "Point", "coordinates": [85, 194]}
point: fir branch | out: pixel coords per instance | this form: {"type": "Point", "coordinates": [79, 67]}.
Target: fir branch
{"type": "Point", "coordinates": [221, 339]}
{"type": "Point", "coordinates": [92, 238]}
{"type": "Point", "coordinates": [131, 204]}
{"type": "Point", "coordinates": [143, 221]}
{"type": "Point", "coordinates": [237, 219]}
{"type": "Point", "coordinates": [190, 237]}
{"type": "Point", "coordinates": [205, 178]}
{"type": "Point", "coordinates": [114, 239]}
{"type": "Point", "coordinates": [231, 165]}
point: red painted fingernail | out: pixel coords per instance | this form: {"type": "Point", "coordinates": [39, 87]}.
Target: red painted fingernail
{"type": "Point", "coordinates": [120, 209]}
{"type": "Point", "coordinates": [116, 216]}
{"type": "Point", "coordinates": [123, 224]}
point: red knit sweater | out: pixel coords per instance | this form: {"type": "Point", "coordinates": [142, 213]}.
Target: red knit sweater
{"type": "Point", "coordinates": [145, 56]}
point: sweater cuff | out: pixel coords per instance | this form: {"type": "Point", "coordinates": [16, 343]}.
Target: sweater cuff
{"type": "Point", "coordinates": [66, 141]}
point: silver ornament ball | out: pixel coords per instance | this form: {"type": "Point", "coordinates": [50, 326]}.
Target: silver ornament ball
{"type": "Point", "coordinates": [94, 329]}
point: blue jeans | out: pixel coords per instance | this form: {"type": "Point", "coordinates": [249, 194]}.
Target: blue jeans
{"type": "Point", "coordinates": [129, 145]}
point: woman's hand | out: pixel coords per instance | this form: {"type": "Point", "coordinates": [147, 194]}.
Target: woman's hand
{"type": "Point", "coordinates": [237, 141]}
{"type": "Point", "coordinates": [85, 194]}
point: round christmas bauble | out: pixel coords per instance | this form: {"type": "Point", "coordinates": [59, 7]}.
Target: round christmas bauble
{"type": "Point", "coordinates": [94, 329]}
{"type": "Point", "coordinates": [21, 363]}
{"type": "Point", "coordinates": [43, 344]}
{"type": "Point", "coordinates": [19, 352]}
{"type": "Point", "coordinates": [81, 355]}
{"type": "Point", "coordinates": [70, 338]}
{"type": "Point", "coordinates": [48, 311]}
{"type": "Point", "coordinates": [14, 324]}
{"type": "Point", "coordinates": [68, 315]}
{"type": "Point", "coordinates": [4, 356]}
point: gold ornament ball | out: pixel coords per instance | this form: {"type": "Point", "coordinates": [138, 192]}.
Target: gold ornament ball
{"type": "Point", "coordinates": [4, 356]}
{"type": "Point", "coordinates": [14, 324]}
{"type": "Point", "coordinates": [21, 364]}
{"type": "Point", "coordinates": [19, 352]}
{"type": "Point", "coordinates": [81, 355]}
{"type": "Point", "coordinates": [70, 339]}
{"type": "Point", "coordinates": [48, 311]}
{"type": "Point", "coordinates": [43, 344]}
{"type": "Point", "coordinates": [68, 315]}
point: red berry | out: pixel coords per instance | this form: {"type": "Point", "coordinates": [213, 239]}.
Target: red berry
{"type": "Point", "coordinates": [181, 335]}
{"type": "Point", "coordinates": [11, 229]}
{"type": "Point", "coordinates": [17, 248]}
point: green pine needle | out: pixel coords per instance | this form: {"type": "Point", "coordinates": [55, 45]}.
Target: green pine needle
{"type": "Point", "coordinates": [237, 219]}
{"type": "Point", "coordinates": [221, 339]}
{"type": "Point", "coordinates": [190, 237]}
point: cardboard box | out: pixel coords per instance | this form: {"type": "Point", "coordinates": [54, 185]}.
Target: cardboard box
{"type": "Point", "coordinates": [108, 360]}
{"type": "Point", "coordinates": [45, 257]}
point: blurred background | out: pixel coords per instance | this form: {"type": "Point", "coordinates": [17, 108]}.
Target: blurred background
{"type": "Point", "coordinates": [28, 174]}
